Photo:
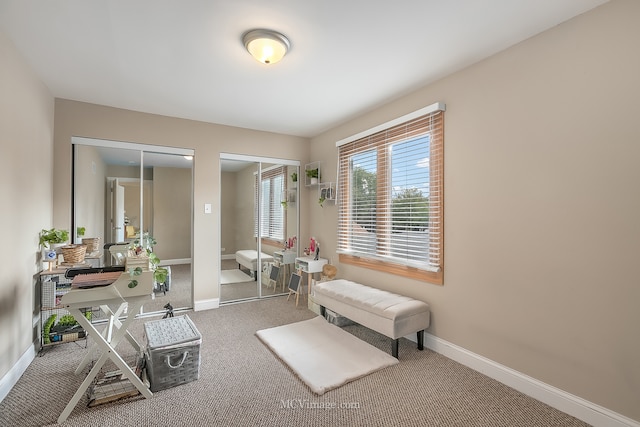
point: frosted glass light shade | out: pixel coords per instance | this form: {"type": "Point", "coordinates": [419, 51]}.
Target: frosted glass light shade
{"type": "Point", "coordinates": [266, 46]}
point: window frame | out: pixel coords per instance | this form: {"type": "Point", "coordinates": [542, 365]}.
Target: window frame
{"type": "Point", "coordinates": [383, 203]}
{"type": "Point", "coordinates": [270, 174]}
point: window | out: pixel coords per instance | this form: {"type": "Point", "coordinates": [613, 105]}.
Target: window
{"type": "Point", "coordinates": [391, 195]}
{"type": "Point", "coordinates": [272, 189]}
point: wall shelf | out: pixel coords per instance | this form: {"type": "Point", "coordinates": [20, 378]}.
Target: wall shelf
{"type": "Point", "coordinates": [326, 192]}
{"type": "Point", "coordinates": [310, 180]}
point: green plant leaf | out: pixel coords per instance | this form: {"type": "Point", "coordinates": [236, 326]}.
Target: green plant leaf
{"type": "Point", "coordinates": [160, 275]}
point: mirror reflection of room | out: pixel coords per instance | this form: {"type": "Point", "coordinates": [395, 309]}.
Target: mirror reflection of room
{"type": "Point", "coordinates": [111, 204]}
{"type": "Point", "coordinates": [257, 199]}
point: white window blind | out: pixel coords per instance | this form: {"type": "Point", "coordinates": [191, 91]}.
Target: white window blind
{"type": "Point", "coordinates": [391, 193]}
{"type": "Point", "coordinates": [272, 190]}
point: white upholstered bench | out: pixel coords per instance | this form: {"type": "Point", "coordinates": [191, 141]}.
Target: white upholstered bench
{"type": "Point", "coordinates": [248, 258]}
{"type": "Point", "coordinates": [390, 314]}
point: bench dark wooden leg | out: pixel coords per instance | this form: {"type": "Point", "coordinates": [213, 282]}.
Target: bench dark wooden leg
{"type": "Point", "coordinates": [394, 348]}
{"type": "Point", "coordinates": [323, 311]}
{"type": "Point", "coordinates": [421, 340]}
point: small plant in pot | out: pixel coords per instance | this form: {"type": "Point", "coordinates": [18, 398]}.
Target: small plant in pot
{"type": "Point", "coordinates": [54, 237]}
{"type": "Point", "coordinates": [143, 248]}
{"type": "Point", "coordinates": [313, 175]}
{"type": "Point", "coordinates": [294, 177]}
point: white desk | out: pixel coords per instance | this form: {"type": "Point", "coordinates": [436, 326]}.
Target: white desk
{"type": "Point", "coordinates": [120, 293]}
{"type": "Point", "coordinates": [310, 266]}
{"type": "Point", "coordinates": [284, 259]}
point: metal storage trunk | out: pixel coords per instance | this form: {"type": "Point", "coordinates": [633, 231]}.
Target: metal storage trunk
{"type": "Point", "coordinates": [336, 319]}
{"type": "Point", "coordinates": [172, 352]}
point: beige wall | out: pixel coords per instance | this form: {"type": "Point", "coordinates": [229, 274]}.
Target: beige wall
{"type": "Point", "coordinates": [245, 207]}
{"type": "Point", "coordinates": [229, 192]}
{"type": "Point", "coordinates": [172, 212]}
{"type": "Point", "coordinates": [26, 181]}
{"type": "Point", "coordinates": [90, 172]}
{"type": "Point", "coordinates": [208, 140]}
{"type": "Point", "coordinates": [542, 207]}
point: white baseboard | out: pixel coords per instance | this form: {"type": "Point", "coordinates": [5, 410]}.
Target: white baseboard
{"type": "Point", "coordinates": [228, 256]}
{"type": "Point", "coordinates": [207, 304]}
{"type": "Point", "coordinates": [175, 261]}
{"type": "Point", "coordinates": [575, 406]}
{"type": "Point", "coordinates": [11, 378]}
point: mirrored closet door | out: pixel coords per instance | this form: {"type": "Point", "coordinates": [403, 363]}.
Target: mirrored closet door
{"type": "Point", "coordinates": [125, 193]}
{"type": "Point", "coordinates": [258, 225]}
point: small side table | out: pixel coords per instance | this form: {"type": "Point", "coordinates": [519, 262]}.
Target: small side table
{"type": "Point", "coordinates": [284, 259]}
{"type": "Point", "coordinates": [310, 266]}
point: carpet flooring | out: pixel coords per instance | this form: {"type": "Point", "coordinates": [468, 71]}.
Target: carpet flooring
{"type": "Point", "coordinates": [179, 295]}
{"type": "Point", "coordinates": [242, 384]}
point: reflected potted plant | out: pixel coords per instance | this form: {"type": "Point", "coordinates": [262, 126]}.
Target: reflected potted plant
{"type": "Point", "coordinates": [141, 257]}
{"type": "Point", "coordinates": [294, 177]}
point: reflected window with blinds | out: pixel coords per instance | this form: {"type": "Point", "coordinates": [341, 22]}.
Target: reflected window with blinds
{"type": "Point", "coordinates": [391, 197]}
{"type": "Point", "coordinates": [272, 190]}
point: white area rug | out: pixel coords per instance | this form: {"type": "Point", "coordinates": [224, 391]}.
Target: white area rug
{"type": "Point", "coordinates": [234, 276]}
{"type": "Point", "coordinates": [322, 355]}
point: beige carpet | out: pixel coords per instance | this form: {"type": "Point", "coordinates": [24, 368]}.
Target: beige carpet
{"type": "Point", "coordinates": [242, 384]}
{"type": "Point", "coordinates": [322, 355]}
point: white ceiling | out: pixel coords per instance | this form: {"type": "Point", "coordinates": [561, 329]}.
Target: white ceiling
{"type": "Point", "coordinates": [186, 58]}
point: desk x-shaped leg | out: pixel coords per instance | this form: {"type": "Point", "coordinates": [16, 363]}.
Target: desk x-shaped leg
{"type": "Point", "coordinates": [107, 333]}
{"type": "Point", "coordinates": [108, 352]}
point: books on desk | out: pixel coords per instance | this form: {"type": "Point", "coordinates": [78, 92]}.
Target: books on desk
{"type": "Point", "coordinates": [88, 281]}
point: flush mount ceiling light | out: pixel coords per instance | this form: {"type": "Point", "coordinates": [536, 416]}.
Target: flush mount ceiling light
{"type": "Point", "coordinates": [266, 46]}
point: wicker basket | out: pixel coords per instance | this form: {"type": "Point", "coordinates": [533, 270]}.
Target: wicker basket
{"type": "Point", "coordinates": [92, 243]}
{"type": "Point", "coordinates": [73, 254]}
{"type": "Point", "coordinates": [172, 352]}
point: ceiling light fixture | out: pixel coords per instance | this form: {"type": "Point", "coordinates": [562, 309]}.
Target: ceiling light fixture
{"type": "Point", "coordinates": [266, 46]}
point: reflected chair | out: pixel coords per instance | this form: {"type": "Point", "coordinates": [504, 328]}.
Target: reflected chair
{"type": "Point", "coordinates": [119, 253]}
{"type": "Point", "coordinates": [129, 232]}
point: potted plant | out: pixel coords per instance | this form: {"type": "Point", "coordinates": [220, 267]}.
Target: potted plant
{"type": "Point", "coordinates": [80, 231]}
{"type": "Point", "coordinates": [313, 175]}
{"type": "Point", "coordinates": [321, 200]}
{"type": "Point", "coordinates": [49, 238]}
{"type": "Point", "coordinates": [141, 252]}
{"type": "Point", "coordinates": [294, 177]}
